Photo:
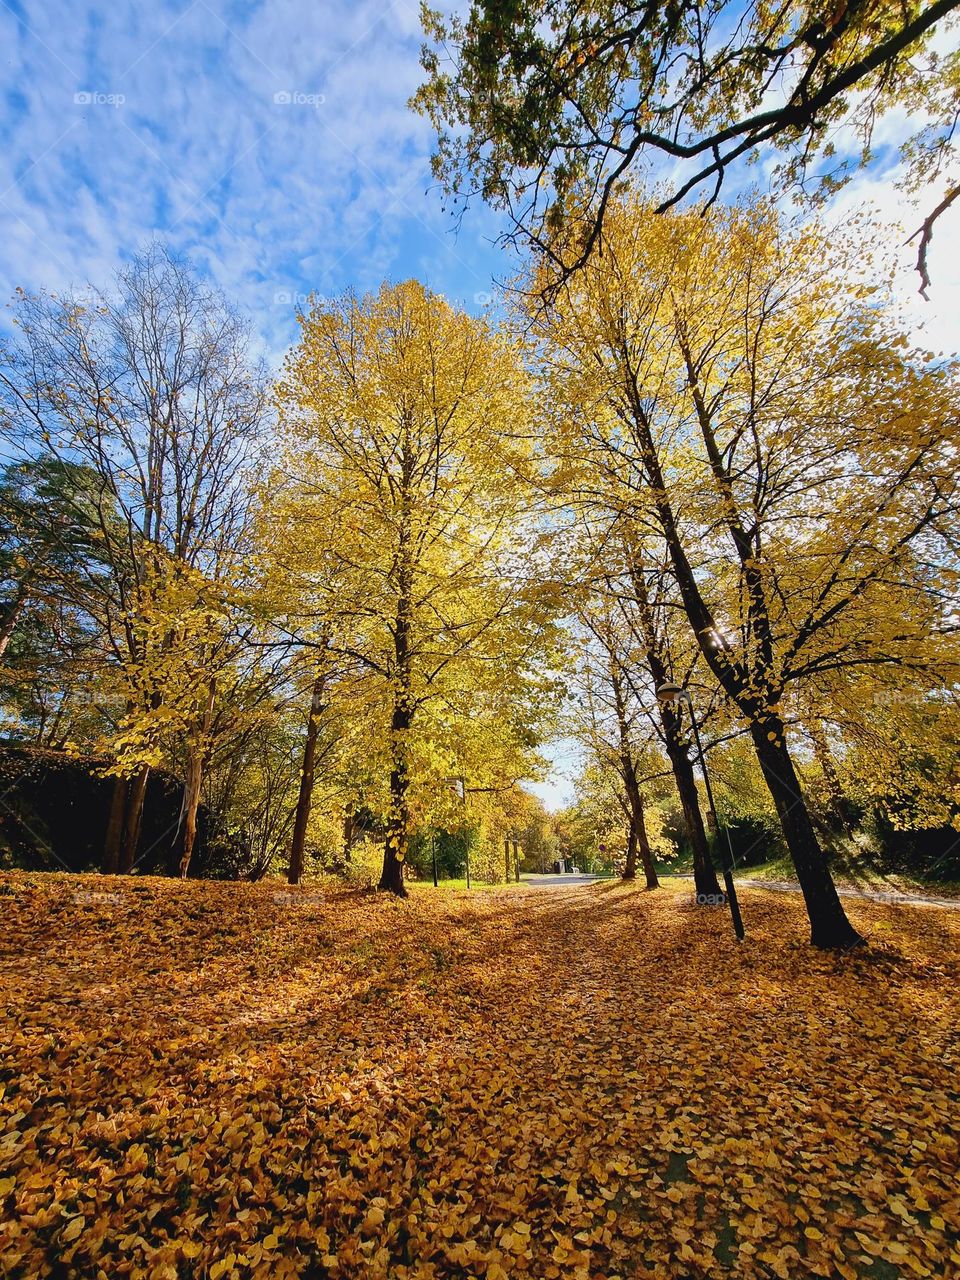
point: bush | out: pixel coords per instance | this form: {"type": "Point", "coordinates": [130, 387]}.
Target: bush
{"type": "Point", "coordinates": [755, 839]}
{"type": "Point", "coordinates": [451, 851]}
{"type": "Point", "coordinates": [929, 854]}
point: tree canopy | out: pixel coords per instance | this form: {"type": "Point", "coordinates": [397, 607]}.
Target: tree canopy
{"type": "Point", "coordinates": [542, 108]}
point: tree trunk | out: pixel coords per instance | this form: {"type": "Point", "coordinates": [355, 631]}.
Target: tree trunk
{"type": "Point", "coordinates": [705, 881]}
{"type": "Point", "coordinates": [646, 854]}
{"type": "Point", "coordinates": [349, 823]}
{"type": "Point", "coordinates": [747, 687]}
{"type": "Point", "coordinates": [191, 802]}
{"type": "Point", "coordinates": [829, 926]}
{"type": "Point", "coordinates": [506, 859]}
{"type": "Point", "coordinates": [134, 820]}
{"type": "Point", "coordinates": [706, 884]}
{"type": "Point", "coordinates": [638, 829]}
{"type": "Point", "coordinates": [395, 848]}
{"type": "Point", "coordinates": [305, 797]}
{"type": "Point", "coordinates": [196, 764]}
{"type": "Point", "coordinates": [637, 840]}
{"type": "Point", "coordinates": [114, 836]}
{"type": "Point", "coordinates": [630, 866]}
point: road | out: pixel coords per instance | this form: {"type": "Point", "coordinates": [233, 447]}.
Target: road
{"type": "Point", "coordinates": [777, 886]}
{"type": "Point", "coordinates": [875, 895]}
{"type": "Point", "coordinates": [557, 882]}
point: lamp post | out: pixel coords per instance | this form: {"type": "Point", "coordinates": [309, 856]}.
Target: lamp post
{"type": "Point", "coordinates": [459, 786]}
{"type": "Point", "coordinates": [671, 694]}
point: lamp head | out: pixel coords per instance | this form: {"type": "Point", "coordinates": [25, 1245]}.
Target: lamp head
{"type": "Point", "coordinates": [671, 693]}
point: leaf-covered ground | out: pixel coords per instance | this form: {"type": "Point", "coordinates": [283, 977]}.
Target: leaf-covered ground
{"type": "Point", "coordinates": [220, 1080]}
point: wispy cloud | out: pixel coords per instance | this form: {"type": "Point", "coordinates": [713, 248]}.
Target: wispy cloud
{"type": "Point", "coordinates": [271, 142]}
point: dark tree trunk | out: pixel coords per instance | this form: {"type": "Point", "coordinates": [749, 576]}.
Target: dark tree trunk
{"type": "Point", "coordinates": [706, 884]}
{"type": "Point", "coordinates": [829, 926]}
{"type": "Point", "coordinates": [196, 766]}
{"type": "Point", "coordinates": [637, 841]}
{"type": "Point", "coordinates": [638, 829]}
{"type": "Point", "coordinates": [307, 773]}
{"type": "Point", "coordinates": [747, 688]}
{"type": "Point", "coordinates": [646, 855]}
{"type": "Point", "coordinates": [114, 836]}
{"type": "Point", "coordinates": [705, 880]}
{"type": "Point", "coordinates": [191, 802]}
{"type": "Point", "coordinates": [630, 866]}
{"type": "Point", "coordinates": [395, 848]}
{"type": "Point", "coordinates": [506, 859]}
{"type": "Point", "coordinates": [133, 820]}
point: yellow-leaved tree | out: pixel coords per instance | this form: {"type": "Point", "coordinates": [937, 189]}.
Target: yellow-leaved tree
{"type": "Point", "coordinates": [733, 391]}
{"type": "Point", "coordinates": [401, 496]}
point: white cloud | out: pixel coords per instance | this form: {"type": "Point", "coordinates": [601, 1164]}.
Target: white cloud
{"type": "Point", "coordinates": [271, 197]}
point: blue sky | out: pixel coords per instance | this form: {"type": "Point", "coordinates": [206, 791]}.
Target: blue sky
{"type": "Point", "coordinates": [272, 143]}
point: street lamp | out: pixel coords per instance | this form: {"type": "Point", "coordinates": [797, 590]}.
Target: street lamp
{"type": "Point", "coordinates": [670, 694]}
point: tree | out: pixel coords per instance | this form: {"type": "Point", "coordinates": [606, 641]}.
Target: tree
{"type": "Point", "coordinates": [793, 455]}
{"type": "Point", "coordinates": [650, 618]}
{"type": "Point", "coordinates": [630, 580]}
{"type": "Point", "coordinates": [154, 392]}
{"type": "Point", "coordinates": [543, 108]}
{"type": "Point", "coordinates": [406, 429]}
{"type": "Point", "coordinates": [48, 534]}
{"type": "Point", "coordinates": [49, 565]}
{"type": "Point", "coordinates": [609, 720]}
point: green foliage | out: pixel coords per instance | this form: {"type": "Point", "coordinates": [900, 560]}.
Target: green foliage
{"type": "Point", "coordinates": [543, 108]}
{"type": "Point", "coordinates": [451, 852]}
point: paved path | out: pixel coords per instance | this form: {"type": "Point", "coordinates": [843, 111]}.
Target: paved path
{"type": "Point", "coordinates": [876, 895]}
{"type": "Point", "coordinates": [557, 882]}
{"type": "Point", "coordinates": [777, 886]}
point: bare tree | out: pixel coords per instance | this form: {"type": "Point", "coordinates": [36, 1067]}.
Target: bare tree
{"type": "Point", "coordinates": [153, 389]}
